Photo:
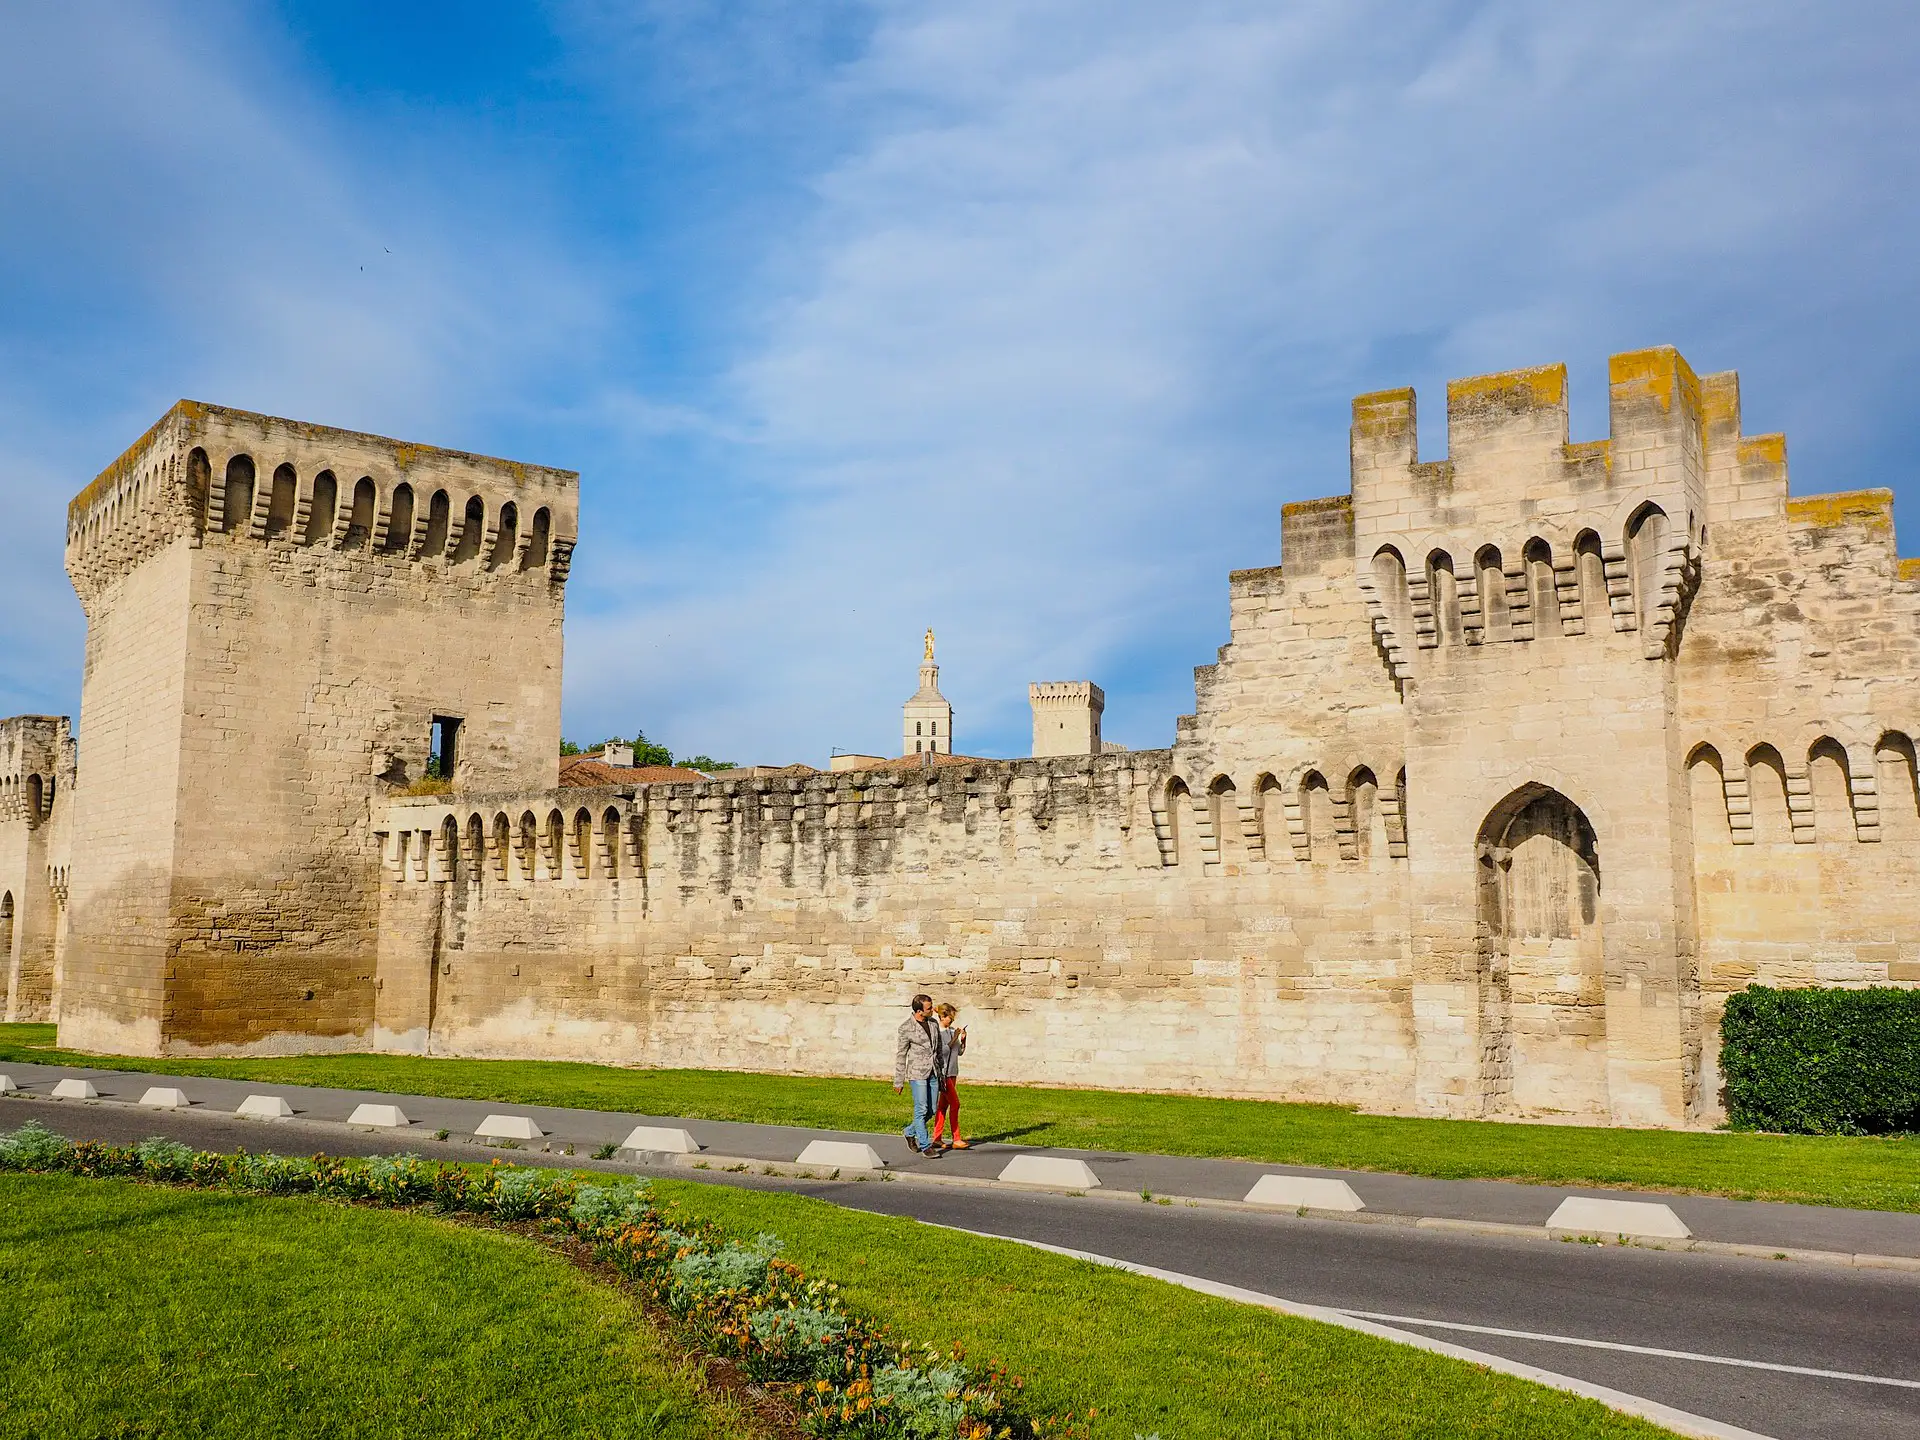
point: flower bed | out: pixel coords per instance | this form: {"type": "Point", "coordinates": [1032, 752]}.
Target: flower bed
{"type": "Point", "coordinates": [849, 1377]}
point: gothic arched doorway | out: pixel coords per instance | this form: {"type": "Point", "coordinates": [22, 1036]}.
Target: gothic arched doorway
{"type": "Point", "coordinates": [1544, 1028]}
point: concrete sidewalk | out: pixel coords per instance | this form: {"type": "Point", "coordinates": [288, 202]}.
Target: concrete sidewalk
{"type": "Point", "coordinates": [1765, 1226]}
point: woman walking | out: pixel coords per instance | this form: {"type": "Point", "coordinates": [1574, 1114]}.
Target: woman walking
{"type": "Point", "coordinates": [953, 1044]}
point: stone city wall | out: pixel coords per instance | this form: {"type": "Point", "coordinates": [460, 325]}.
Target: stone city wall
{"type": "Point", "coordinates": [1526, 758]}
{"type": "Point", "coordinates": [780, 925]}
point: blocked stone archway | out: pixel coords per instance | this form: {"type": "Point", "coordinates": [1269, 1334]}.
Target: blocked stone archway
{"type": "Point", "coordinates": [1543, 962]}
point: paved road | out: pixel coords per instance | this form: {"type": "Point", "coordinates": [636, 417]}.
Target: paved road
{"type": "Point", "coordinates": [1783, 1313]}
{"type": "Point", "coordinates": [1788, 1227]}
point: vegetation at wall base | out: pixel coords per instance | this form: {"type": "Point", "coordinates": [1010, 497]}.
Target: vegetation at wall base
{"type": "Point", "coordinates": [1130, 1356]}
{"type": "Point", "coordinates": [1821, 1061]}
{"type": "Point", "coordinates": [1867, 1173]}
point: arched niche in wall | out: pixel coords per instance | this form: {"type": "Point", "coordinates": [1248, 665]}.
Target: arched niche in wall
{"type": "Point", "coordinates": [237, 497]}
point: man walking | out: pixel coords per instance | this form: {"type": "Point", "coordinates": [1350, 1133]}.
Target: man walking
{"type": "Point", "coordinates": [916, 1063]}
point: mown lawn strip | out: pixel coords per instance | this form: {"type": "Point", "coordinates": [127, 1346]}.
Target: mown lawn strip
{"type": "Point", "coordinates": [1153, 1358]}
{"type": "Point", "coordinates": [137, 1310]}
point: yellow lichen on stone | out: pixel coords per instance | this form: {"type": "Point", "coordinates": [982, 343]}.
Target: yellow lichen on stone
{"type": "Point", "coordinates": [1907, 569]}
{"type": "Point", "coordinates": [1763, 450]}
{"type": "Point", "coordinates": [1539, 388]}
{"type": "Point", "coordinates": [1384, 414]}
{"type": "Point", "coordinates": [1316, 507]}
{"type": "Point", "coordinates": [1720, 398]}
{"type": "Point", "coordinates": [1587, 451]}
{"type": "Point", "coordinates": [1873, 508]}
{"type": "Point", "coordinates": [1660, 374]}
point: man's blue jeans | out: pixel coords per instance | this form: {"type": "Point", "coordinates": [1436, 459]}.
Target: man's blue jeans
{"type": "Point", "coordinates": [926, 1095]}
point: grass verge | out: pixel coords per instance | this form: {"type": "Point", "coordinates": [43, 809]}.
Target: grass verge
{"type": "Point", "coordinates": [146, 1310]}
{"type": "Point", "coordinates": [1151, 1357]}
{"type": "Point", "coordinates": [1871, 1173]}
{"type": "Point", "coordinates": [133, 1310]}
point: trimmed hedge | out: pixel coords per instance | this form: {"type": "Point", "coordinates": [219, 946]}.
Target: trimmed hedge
{"type": "Point", "coordinates": [1822, 1062]}
{"type": "Point", "coordinates": [850, 1378]}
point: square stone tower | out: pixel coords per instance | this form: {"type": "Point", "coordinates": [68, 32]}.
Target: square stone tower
{"type": "Point", "coordinates": [287, 625]}
{"type": "Point", "coordinates": [1066, 717]}
{"type": "Point", "coordinates": [36, 782]}
{"type": "Point", "coordinates": [1527, 595]}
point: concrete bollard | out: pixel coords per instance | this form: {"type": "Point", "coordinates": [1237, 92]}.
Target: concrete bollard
{"type": "Point", "coordinates": [1310, 1192]}
{"type": "Point", "coordinates": [1053, 1171]}
{"type": "Point", "coordinates": [385, 1117]}
{"type": "Point", "coordinates": [164, 1097]}
{"type": "Point", "coordinates": [509, 1127]}
{"type": "Point", "coordinates": [841, 1155]}
{"type": "Point", "coordinates": [7, 1087]}
{"type": "Point", "coordinates": [264, 1107]}
{"type": "Point", "coordinates": [661, 1139]}
{"type": "Point", "coordinates": [75, 1090]}
{"type": "Point", "coordinates": [1582, 1215]}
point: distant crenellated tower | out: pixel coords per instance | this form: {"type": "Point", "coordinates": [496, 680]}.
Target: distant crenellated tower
{"type": "Point", "coordinates": [1066, 717]}
{"type": "Point", "coordinates": [927, 719]}
{"type": "Point", "coordinates": [36, 802]}
{"type": "Point", "coordinates": [286, 626]}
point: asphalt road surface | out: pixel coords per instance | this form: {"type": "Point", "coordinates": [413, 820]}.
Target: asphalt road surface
{"type": "Point", "coordinates": [1777, 1313]}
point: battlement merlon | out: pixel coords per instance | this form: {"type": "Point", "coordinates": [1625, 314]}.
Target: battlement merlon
{"type": "Point", "coordinates": [1512, 473]}
{"type": "Point", "coordinates": [209, 469]}
{"type": "Point", "coordinates": [1065, 691]}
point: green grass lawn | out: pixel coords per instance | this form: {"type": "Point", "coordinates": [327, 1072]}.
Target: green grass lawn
{"type": "Point", "coordinates": [129, 1310]}
{"type": "Point", "coordinates": [135, 1310]}
{"type": "Point", "coordinates": [1869, 1173]}
{"type": "Point", "coordinates": [1152, 1357]}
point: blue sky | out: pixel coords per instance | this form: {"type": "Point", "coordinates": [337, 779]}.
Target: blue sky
{"type": "Point", "coordinates": [1020, 320]}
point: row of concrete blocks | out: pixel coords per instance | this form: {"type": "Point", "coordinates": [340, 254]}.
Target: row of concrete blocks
{"type": "Point", "coordinates": [274, 1107]}
{"type": "Point", "coordinates": [1576, 1214]}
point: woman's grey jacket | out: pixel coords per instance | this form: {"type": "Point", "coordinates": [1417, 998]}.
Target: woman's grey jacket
{"type": "Point", "coordinates": [953, 1044]}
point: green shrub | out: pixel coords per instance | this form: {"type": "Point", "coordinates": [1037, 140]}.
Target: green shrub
{"type": "Point", "coordinates": [164, 1159]}
{"type": "Point", "coordinates": [731, 1267]}
{"type": "Point", "coordinates": [928, 1398]}
{"type": "Point", "coordinates": [527, 1194]}
{"type": "Point", "coordinates": [795, 1342]}
{"type": "Point", "coordinates": [1822, 1062]}
{"type": "Point", "coordinates": [34, 1147]}
{"type": "Point", "coordinates": [269, 1174]}
{"type": "Point", "coordinates": [601, 1209]}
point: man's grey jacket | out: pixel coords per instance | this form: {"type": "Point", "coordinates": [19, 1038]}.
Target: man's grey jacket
{"type": "Point", "coordinates": [914, 1055]}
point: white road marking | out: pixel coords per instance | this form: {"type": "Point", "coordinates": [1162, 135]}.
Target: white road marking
{"type": "Point", "coordinates": [1633, 1349]}
{"type": "Point", "coordinates": [1699, 1427]}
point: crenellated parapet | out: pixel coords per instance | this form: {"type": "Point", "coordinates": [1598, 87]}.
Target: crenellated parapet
{"type": "Point", "coordinates": [36, 805]}
{"type": "Point", "coordinates": [334, 497]}
{"type": "Point", "coordinates": [1522, 533]}
{"type": "Point", "coordinates": [805, 835]}
{"type": "Point", "coordinates": [36, 767]}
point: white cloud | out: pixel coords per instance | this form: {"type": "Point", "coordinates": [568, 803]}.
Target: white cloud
{"type": "Point", "coordinates": [186, 216]}
{"type": "Point", "coordinates": [1020, 320]}
{"type": "Point", "coordinates": [1087, 287]}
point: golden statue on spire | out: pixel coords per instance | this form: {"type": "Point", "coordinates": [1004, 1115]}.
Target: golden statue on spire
{"type": "Point", "coordinates": [929, 642]}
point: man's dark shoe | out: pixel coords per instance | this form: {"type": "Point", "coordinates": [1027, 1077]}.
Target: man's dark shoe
{"type": "Point", "coordinates": [913, 1144]}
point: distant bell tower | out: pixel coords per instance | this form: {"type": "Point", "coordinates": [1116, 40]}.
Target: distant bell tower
{"type": "Point", "coordinates": [927, 719]}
